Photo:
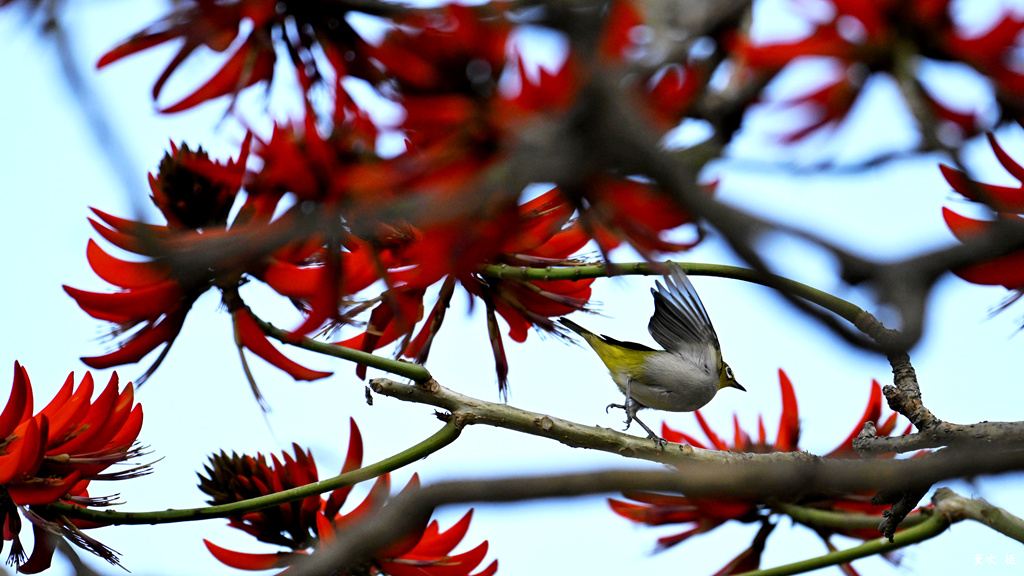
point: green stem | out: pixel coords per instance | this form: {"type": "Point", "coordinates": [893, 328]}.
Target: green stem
{"type": "Point", "coordinates": [442, 438]}
{"type": "Point", "coordinates": [827, 301]}
{"type": "Point", "coordinates": [979, 510]}
{"type": "Point", "coordinates": [416, 372]}
{"type": "Point", "coordinates": [815, 517]}
{"type": "Point", "coordinates": [932, 526]}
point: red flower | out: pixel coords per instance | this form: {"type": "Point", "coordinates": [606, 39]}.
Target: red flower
{"type": "Point", "coordinates": [305, 525]}
{"type": "Point", "coordinates": [196, 196]}
{"type": "Point", "coordinates": [750, 559]}
{"type": "Point", "coordinates": [218, 25]}
{"type": "Point", "coordinates": [446, 64]}
{"type": "Point", "coordinates": [707, 513]}
{"type": "Point", "coordinates": [536, 232]}
{"type": "Point", "coordinates": [214, 25]}
{"type": "Point", "coordinates": [442, 65]}
{"type": "Point", "coordinates": [862, 38]}
{"type": "Point", "coordinates": [666, 92]}
{"type": "Point", "coordinates": [1008, 201]}
{"type": "Point", "coordinates": [619, 209]}
{"type": "Point", "coordinates": [54, 455]}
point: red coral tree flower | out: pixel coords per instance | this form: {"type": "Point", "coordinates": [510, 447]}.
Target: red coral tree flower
{"type": "Point", "coordinates": [1008, 202]}
{"type": "Point", "coordinates": [219, 25]}
{"type": "Point", "coordinates": [707, 513]}
{"type": "Point", "coordinates": [53, 456]}
{"type": "Point", "coordinates": [862, 38]}
{"type": "Point", "coordinates": [196, 195]}
{"type": "Point", "coordinates": [306, 525]}
{"type": "Point", "coordinates": [537, 232]}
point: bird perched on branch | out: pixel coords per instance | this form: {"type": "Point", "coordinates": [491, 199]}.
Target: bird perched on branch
{"type": "Point", "coordinates": [684, 376]}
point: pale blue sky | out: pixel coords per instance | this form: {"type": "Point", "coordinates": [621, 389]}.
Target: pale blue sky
{"type": "Point", "coordinates": [52, 172]}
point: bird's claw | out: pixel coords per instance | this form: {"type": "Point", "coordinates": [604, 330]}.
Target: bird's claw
{"type": "Point", "coordinates": [658, 440]}
{"type": "Point", "coordinates": [629, 417]}
{"type": "Point", "coordinates": [661, 442]}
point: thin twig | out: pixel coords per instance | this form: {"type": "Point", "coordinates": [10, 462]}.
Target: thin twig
{"type": "Point", "coordinates": [439, 440]}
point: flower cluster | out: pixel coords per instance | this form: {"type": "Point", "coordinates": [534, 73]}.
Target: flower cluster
{"type": "Point", "coordinates": [196, 195]}
{"type": "Point", "coordinates": [53, 455]}
{"type": "Point", "coordinates": [434, 215]}
{"type": "Point", "coordinates": [861, 39]}
{"type": "Point", "coordinates": [1007, 202]}
{"type": "Point", "coordinates": [306, 525]}
{"type": "Point", "coordinates": [705, 514]}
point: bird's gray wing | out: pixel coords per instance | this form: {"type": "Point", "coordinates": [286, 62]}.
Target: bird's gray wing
{"type": "Point", "coordinates": [680, 321]}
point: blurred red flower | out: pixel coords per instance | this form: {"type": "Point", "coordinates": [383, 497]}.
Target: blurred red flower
{"type": "Point", "coordinates": [219, 26]}
{"type": "Point", "coordinates": [196, 195]}
{"type": "Point", "coordinates": [304, 526]}
{"type": "Point", "coordinates": [1007, 202]}
{"type": "Point", "coordinates": [52, 456]}
{"type": "Point", "coordinates": [706, 514]}
{"type": "Point", "coordinates": [434, 214]}
{"type": "Point", "coordinates": [537, 232]}
{"type": "Point", "coordinates": [860, 39]}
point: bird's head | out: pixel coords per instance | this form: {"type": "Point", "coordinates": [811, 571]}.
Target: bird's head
{"type": "Point", "coordinates": [726, 379]}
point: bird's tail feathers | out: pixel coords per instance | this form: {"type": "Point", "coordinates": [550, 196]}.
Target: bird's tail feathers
{"type": "Point", "coordinates": [574, 327]}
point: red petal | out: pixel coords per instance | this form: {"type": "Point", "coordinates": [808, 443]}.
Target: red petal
{"type": "Point", "coordinates": [141, 343]}
{"type": "Point", "coordinates": [93, 422]}
{"type": "Point", "coordinates": [137, 43]}
{"type": "Point", "coordinates": [619, 22]}
{"type": "Point", "coordinates": [23, 452]}
{"type": "Point", "coordinates": [887, 427]}
{"type": "Point", "coordinates": [252, 63]}
{"type": "Point", "coordinates": [871, 414]}
{"type": "Point", "coordinates": [353, 460]}
{"type": "Point", "coordinates": [489, 571]}
{"type": "Point", "coordinates": [42, 551]}
{"type": "Point", "coordinates": [518, 325]}
{"type": "Point", "coordinates": [655, 515]}
{"type": "Point", "coordinates": [145, 303]}
{"type": "Point", "coordinates": [789, 421]}
{"type": "Point", "coordinates": [1009, 164]}
{"type": "Point", "coordinates": [373, 501]}
{"type": "Point", "coordinates": [749, 559]}
{"type": "Point", "coordinates": [123, 273]}
{"type": "Point", "coordinates": [563, 244]}
{"type": "Point", "coordinates": [19, 403]}
{"type": "Point", "coordinates": [295, 281]}
{"type": "Point", "coordinates": [246, 561]}
{"type": "Point", "coordinates": [43, 491]}
{"type": "Point", "coordinates": [254, 339]}
{"type": "Point", "coordinates": [1006, 270]}
{"type": "Point", "coordinates": [67, 416]}
{"type": "Point", "coordinates": [440, 544]}
{"type": "Point", "coordinates": [715, 440]}
{"type": "Point", "coordinates": [666, 542]}
{"type": "Point", "coordinates": [459, 565]}
{"type": "Point", "coordinates": [673, 435]}
{"type": "Point", "coordinates": [129, 432]}
{"type": "Point", "coordinates": [129, 235]}
{"type": "Point", "coordinates": [963, 227]}
{"type": "Point", "coordinates": [1002, 198]}
{"type": "Point", "coordinates": [539, 220]}
{"type": "Point", "coordinates": [325, 530]}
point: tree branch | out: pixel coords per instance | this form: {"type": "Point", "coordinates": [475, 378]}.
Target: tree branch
{"type": "Point", "coordinates": [415, 372]}
{"type": "Point", "coordinates": [440, 439]}
{"type": "Point", "coordinates": [749, 477]}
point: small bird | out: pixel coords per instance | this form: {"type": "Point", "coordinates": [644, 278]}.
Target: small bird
{"type": "Point", "coordinates": [684, 376]}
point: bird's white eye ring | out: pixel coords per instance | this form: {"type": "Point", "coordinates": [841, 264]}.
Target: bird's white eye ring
{"type": "Point", "coordinates": [728, 372]}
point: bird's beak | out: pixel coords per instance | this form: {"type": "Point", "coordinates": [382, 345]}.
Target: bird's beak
{"type": "Point", "coordinates": [737, 386]}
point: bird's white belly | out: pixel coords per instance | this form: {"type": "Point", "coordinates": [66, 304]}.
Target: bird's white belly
{"type": "Point", "coordinates": [670, 383]}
